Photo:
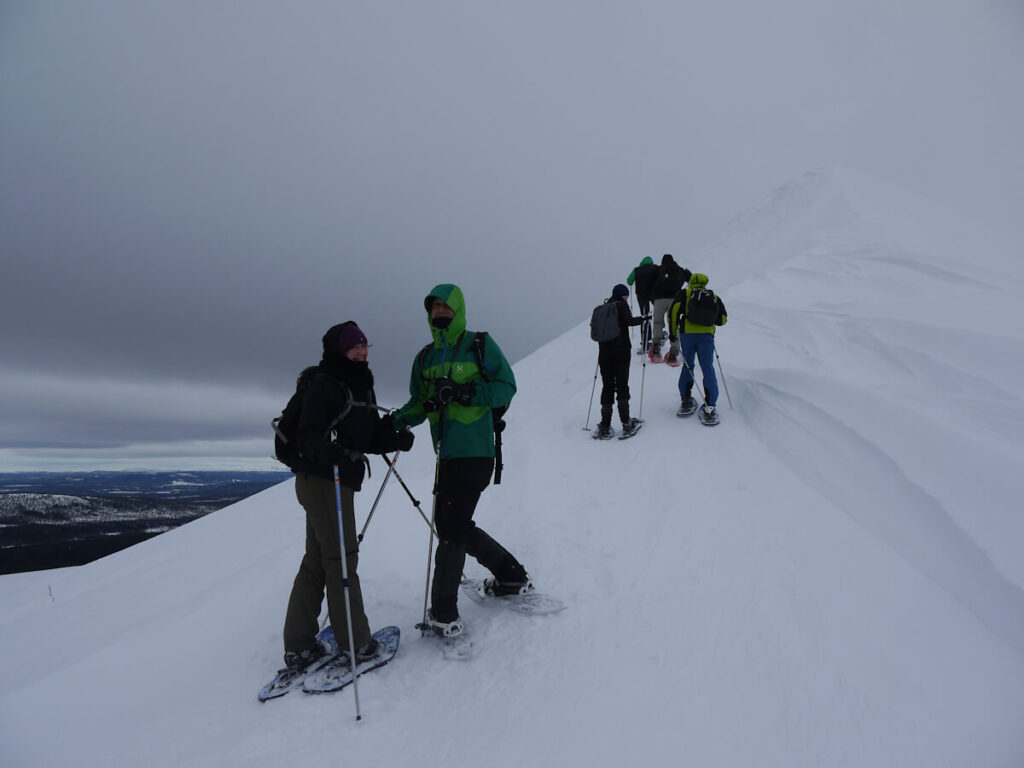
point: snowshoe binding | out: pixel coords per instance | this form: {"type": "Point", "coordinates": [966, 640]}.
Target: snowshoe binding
{"type": "Point", "coordinates": [493, 588]}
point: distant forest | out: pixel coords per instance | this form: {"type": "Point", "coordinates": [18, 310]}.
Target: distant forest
{"type": "Point", "coordinates": [55, 520]}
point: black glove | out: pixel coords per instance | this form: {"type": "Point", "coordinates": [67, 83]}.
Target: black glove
{"type": "Point", "coordinates": [430, 405]}
{"type": "Point", "coordinates": [403, 440]}
{"type": "Point", "coordinates": [445, 390]}
{"type": "Point", "coordinates": [465, 393]}
{"type": "Point", "coordinates": [646, 318]}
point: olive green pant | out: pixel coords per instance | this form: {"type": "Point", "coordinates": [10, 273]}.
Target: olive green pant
{"type": "Point", "coordinates": [321, 567]}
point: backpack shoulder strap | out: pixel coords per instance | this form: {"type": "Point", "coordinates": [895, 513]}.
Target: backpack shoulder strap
{"type": "Point", "coordinates": [479, 342]}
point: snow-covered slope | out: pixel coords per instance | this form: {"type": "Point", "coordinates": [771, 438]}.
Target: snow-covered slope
{"type": "Point", "coordinates": [830, 577]}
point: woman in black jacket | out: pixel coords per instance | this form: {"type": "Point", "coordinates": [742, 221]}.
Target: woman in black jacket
{"type": "Point", "coordinates": [613, 360]}
{"type": "Point", "coordinates": [338, 425]}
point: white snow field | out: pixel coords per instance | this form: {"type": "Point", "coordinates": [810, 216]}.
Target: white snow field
{"type": "Point", "coordinates": [830, 577]}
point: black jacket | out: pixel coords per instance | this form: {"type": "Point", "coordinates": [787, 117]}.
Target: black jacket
{"type": "Point", "coordinates": [643, 281]}
{"type": "Point", "coordinates": [670, 278]}
{"type": "Point", "coordinates": [342, 387]}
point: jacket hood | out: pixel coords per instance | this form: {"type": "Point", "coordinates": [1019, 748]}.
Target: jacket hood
{"type": "Point", "coordinates": [452, 296]}
{"type": "Point", "coordinates": [697, 280]}
{"type": "Point", "coordinates": [667, 260]}
{"type": "Point", "coordinates": [646, 260]}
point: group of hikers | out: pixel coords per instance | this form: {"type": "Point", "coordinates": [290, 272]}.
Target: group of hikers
{"type": "Point", "coordinates": [460, 382]}
{"type": "Point", "coordinates": [685, 312]}
{"type": "Point", "coordinates": [457, 381]}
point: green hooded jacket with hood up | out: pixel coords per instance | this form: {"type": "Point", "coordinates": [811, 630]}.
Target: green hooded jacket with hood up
{"type": "Point", "coordinates": [458, 431]}
{"type": "Point", "coordinates": [678, 309]}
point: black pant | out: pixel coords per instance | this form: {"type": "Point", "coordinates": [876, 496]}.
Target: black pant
{"type": "Point", "coordinates": [613, 360]}
{"type": "Point", "coordinates": [459, 485]}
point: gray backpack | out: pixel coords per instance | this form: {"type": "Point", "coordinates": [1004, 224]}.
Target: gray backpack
{"type": "Point", "coordinates": [604, 322]}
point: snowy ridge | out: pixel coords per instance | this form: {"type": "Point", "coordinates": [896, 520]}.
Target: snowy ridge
{"type": "Point", "coordinates": [829, 577]}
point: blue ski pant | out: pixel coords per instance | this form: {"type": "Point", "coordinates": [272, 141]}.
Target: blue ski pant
{"type": "Point", "coordinates": [701, 346]}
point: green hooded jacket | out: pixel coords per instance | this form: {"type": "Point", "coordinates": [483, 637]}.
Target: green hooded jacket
{"type": "Point", "coordinates": [632, 275]}
{"type": "Point", "coordinates": [678, 309]}
{"type": "Point", "coordinates": [458, 431]}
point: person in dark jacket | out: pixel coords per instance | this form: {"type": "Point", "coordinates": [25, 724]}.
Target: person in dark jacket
{"type": "Point", "coordinates": [338, 425]}
{"type": "Point", "coordinates": [642, 279]}
{"type": "Point", "coordinates": [613, 360]}
{"type": "Point", "coordinates": [670, 278]}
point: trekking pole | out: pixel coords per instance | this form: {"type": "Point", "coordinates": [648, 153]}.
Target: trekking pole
{"type": "Point", "coordinates": [423, 627]}
{"type": "Point", "coordinates": [692, 376]}
{"type": "Point", "coordinates": [724, 385]}
{"type": "Point", "coordinates": [369, 517]}
{"type": "Point", "coordinates": [592, 388]}
{"type": "Point", "coordinates": [644, 331]}
{"type": "Point", "coordinates": [631, 328]}
{"type": "Point", "coordinates": [348, 602]}
{"type": "Point", "coordinates": [413, 499]}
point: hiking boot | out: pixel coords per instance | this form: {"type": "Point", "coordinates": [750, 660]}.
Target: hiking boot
{"type": "Point", "coordinates": [452, 628]}
{"type": "Point", "coordinates": [368, 651]}
{"type": "Point", "coordinates": [672, 359]}
{"type": "Point", "coordinates": [709, 411]}
{"type": "Point", "coordinates": [302, 659]}
{"type": "Point", "coordinates": [494, 588]}
{"type": "Point", "coordinates": [604, 431]}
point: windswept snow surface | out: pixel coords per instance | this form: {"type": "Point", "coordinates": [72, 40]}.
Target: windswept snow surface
{"type": "Point", "coordinates": [831, 577]}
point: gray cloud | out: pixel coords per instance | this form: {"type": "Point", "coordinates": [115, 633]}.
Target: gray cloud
{"type": "Point", "coordinates": [193, 192]}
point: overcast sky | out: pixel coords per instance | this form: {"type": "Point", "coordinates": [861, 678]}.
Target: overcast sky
{"type": "Point", "coordinates": [191, 193]}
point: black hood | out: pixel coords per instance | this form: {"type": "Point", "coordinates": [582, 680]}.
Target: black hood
{"type": "Point", "coordinates": [355, 374]}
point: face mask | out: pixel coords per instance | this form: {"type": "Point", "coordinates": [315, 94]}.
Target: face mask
{"type": "Point", "coordinates": [441, 322]}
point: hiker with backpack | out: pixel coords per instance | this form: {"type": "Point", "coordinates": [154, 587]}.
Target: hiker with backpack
{"type": "Point", "coordinates": [459, 382]}
{"type": "Point", "coordinates": [667, 283]}
{"type": "Point", "coordinates": [642, 279]}
{"type": "Point", "coordinates": [693, 317]}
{"type": "Point", "coordinates": [609, 327]}
{"type": "Point", "coordinates": [336, 424]}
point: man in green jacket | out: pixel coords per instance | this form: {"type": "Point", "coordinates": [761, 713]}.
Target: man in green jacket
{"type": "Point", "coordinates": [455, 387]}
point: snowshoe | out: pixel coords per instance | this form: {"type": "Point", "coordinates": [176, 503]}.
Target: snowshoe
{"type": "Point", "coordinates": [708, 415]}
{"type": "Point", "coordinates": [338, 673]}
{"type": "Point", "coordinates": [672, 360]}
{"type": "Point", "coordinates": [688, 407]}
{"type": "Point", "coordinates": [655, 356]}
{"type": "Point", "coordinates": [630, 428]}
{"type": "Point", "coordinates": [604, 432]}
{"type": "Point", "coordinates": [456, 642]}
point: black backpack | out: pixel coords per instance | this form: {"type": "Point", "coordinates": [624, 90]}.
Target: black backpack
{"type": "Point", "coordinates": [604, 322]}
{"type": "Point", "coordinates": [286, 426]}
{"type": "Point", "coordinates": [702, 307]}
{"type": "Point", "coordinates": [498, 413]}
